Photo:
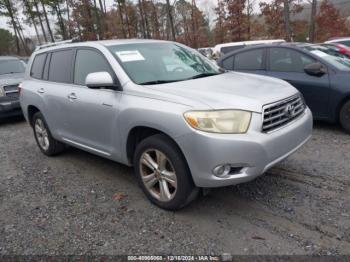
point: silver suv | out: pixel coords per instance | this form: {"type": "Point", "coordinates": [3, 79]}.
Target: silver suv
{"type": "Point", "coordinates": [180, 120]}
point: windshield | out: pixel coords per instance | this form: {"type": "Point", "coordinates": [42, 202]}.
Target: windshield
{"type": "Point", "coordinates": [11, 67]}
{"type": "Point", "coordinates": [338, 60]}
{"type": "Point", "coordinates": [157, 63]}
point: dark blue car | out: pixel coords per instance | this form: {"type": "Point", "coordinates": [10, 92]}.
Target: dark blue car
{"type": "Point", "coordinates": [322, 78]}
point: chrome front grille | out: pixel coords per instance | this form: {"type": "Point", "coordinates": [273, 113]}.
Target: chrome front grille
{"type": "Point", "coordinates": [11, 91]}
{"type": "Point", "coordinates": [278, 114]}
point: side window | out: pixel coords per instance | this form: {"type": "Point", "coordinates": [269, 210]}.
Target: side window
{"type": "Point", "coordinates": [38, 65]}
{"type": "Point", "coordinates": [250, 60]}
{"type": "Point", "coordinates": [228, 49]}
{"type": "Point", "coordinates": [61, 66]}
{"type": "Point", "coordinates": [89, 61]}
{"type": "Point", "coordinates": [228, 63]}
{"type": "Point", "coordinates": [288, 60]}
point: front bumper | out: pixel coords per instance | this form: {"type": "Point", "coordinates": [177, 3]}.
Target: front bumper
{"type": "Point", "coordinates": [254, 151]}
{"type": "Point", "coordinates": [9, 107]}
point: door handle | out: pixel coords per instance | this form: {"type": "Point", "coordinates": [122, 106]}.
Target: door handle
{"type": "Point", "coordinates": [41, 90]}
{"type": "Point", "coordinates": [72, 96]}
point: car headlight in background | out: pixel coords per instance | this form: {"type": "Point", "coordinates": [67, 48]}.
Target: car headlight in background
{"type": "Point", "coordinates": [219, 121]}
{"type": "Point", "coordinates": [2, 91]}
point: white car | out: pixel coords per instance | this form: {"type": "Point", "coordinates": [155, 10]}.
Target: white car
{"type": "Point", "coordinates": [340, 40]}
{"type": "Point", "coordinates": [222, 49]}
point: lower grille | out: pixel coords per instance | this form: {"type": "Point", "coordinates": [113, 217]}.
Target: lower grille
{"type": "Point", "coordinates": [282, 112]}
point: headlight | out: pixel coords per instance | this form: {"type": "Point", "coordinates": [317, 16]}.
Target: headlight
{"type": "Point", "coordinates": [2, 91]}
{"type": "Point", "coordinates": [219, 121]}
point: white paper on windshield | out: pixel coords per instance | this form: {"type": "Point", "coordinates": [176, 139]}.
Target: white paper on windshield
{"type": "Point", "coordinates": [318, 53]}
{"type": "Point", "coordinates": [129, 56]}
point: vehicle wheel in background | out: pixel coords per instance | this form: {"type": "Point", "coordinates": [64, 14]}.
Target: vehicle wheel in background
{"type": "Point", "coordinates": [163, 173]}
{"type": "Point", "coordinates": [344, 116]}
{"type": "Point", "coordinates": [47, 144]}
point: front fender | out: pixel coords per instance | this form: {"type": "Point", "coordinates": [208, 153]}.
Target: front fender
{"type": "Point", "coordinates": [161, 115]}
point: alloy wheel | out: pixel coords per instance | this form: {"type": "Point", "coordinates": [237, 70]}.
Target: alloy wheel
{"type": "Point", "coordinates": [158, 175]}
{"type": "Point", "coordinates": [42, 134]}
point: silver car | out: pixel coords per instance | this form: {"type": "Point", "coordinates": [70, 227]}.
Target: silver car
{"type": "Point", "coordinates": [11, 74]}
{"type": "Point", "coordinates": [181, 121]}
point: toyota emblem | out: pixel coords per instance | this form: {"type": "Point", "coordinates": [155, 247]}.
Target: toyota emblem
{"type": "Point", "coordinates": [290, 110]}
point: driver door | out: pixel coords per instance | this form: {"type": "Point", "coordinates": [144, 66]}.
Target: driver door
{"type": "Point", "coordinates": [92, 112]}
{"type": "Point", "coordinates": [288, 64]}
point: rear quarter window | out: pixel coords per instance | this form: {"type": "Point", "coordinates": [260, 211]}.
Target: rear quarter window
{"type": "Point", "coordinates": [60, 69]}
{"type": "Point", "coordinates": [38, 66]}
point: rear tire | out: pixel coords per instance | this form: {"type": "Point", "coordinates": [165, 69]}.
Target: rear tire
{"type": "Point", "coordinates": [163, 174]}
{"type": "Point", "coordinates": [47, 144]}
{"type": "Point", "coordinates": [344, 116]}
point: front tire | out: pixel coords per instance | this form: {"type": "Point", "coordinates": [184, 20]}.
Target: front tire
{"type": "Point", "coordinates": [47, 144]}
{"type": "Point", "coordinates": [163, 174]}
{"type": "Point", "coordinates": [344, 116]}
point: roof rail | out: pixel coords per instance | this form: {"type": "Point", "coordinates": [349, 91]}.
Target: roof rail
{"type": "Point", "coordinates": [54, 44]}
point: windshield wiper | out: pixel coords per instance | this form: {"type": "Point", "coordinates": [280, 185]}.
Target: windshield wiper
{"type": "Point", "coordinates": [156, 82]}
{"type": "Point", "coordinates": [204, 75]}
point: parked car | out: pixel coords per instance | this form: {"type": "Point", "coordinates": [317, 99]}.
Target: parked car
{"type": "Point", "coordinates": [222, 49]}
{"type": "Point", "coordinates": [340, 40]}
{"type": "Point", "coordinates": [182, 127]}
{"type": "Point", "coordinates": [323, 79]}
{"type": "Point", "coordinates": [11, 74]}
{"type": "Point", "coordinates": [206, 51]}
{"type": "Point", "coordinates": [340, 48]}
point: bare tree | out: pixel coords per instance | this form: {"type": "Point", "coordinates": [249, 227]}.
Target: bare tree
{"type": "Point", "coordinates": [47, 20]}
{"type": "Point", "coordinates": [286, 12]}
{"type": "Point", "coordinates": [171, 20]}
{"type": "Point", "coordinates": [312, 21]}
{"type": "Point", "coordinates": [28, 9]}
{"type": "Point", "coordinates": [38, 14]}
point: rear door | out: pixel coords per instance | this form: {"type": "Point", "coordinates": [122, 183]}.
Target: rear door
{"type": "Point", "coordinates": [91, 113]}
{"type": "Point", "coordinates": [59, 77]}
{"type": "Point", "coordinates": [250, 61]}
{"type": "Point", "coordinates": [288, 64]}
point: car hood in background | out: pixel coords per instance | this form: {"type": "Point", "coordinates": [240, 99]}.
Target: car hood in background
{"type": "Point", "coordinates": [231, 90]}
{"type": "Point", "coordinates": [11, 79]}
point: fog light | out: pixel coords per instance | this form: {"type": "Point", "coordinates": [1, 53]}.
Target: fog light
{"type": "Point", "coordinates": [222, 170]}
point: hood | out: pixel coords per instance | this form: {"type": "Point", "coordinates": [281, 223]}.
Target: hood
{"type": "Point", "coordinates": [231, 90]}
{"type": "Point", "coordinates": [11, 79]}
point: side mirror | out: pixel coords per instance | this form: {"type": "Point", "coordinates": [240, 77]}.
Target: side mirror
{"type": "Point", "coordinates": [315, 69]}
{"type": "Point", "coordinates": [100, 80]}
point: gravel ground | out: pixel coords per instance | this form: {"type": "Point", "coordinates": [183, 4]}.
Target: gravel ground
{"type": "Point", "coordinates": [78, 203]}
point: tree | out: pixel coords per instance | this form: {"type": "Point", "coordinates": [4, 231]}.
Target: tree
{"type": "Point", "coordinates": [30, 13]}
{"type": "Point", "coordinates": [38, 15]}
{"type": "Point", "coordinates": [312, 21]}
{"type": "Point", "coordinates": [329, 23]}
{"type": "Point", "coordinates": [8, 9]}
{"type": "Point", "coordinates": [82, 13]}
{"type": "Point", "coordinates": [56, 9]}
{"type": "Point", "coordinates": [277, 21]}
{"type": "Point", "coordinates": [43, 3]}
{"type": "Point", "coordinates": [219, 30]}
{"type": "Point", "coordinates": [250, 5]}
{"type": "Point", "coordinates": [171, 20]}
{"type": "Point", "coordinates": [236, 19]}
{"type": "Point", "coordinates": [286, 15]}
{"type": "Point", "coordinates": [6, 42]}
